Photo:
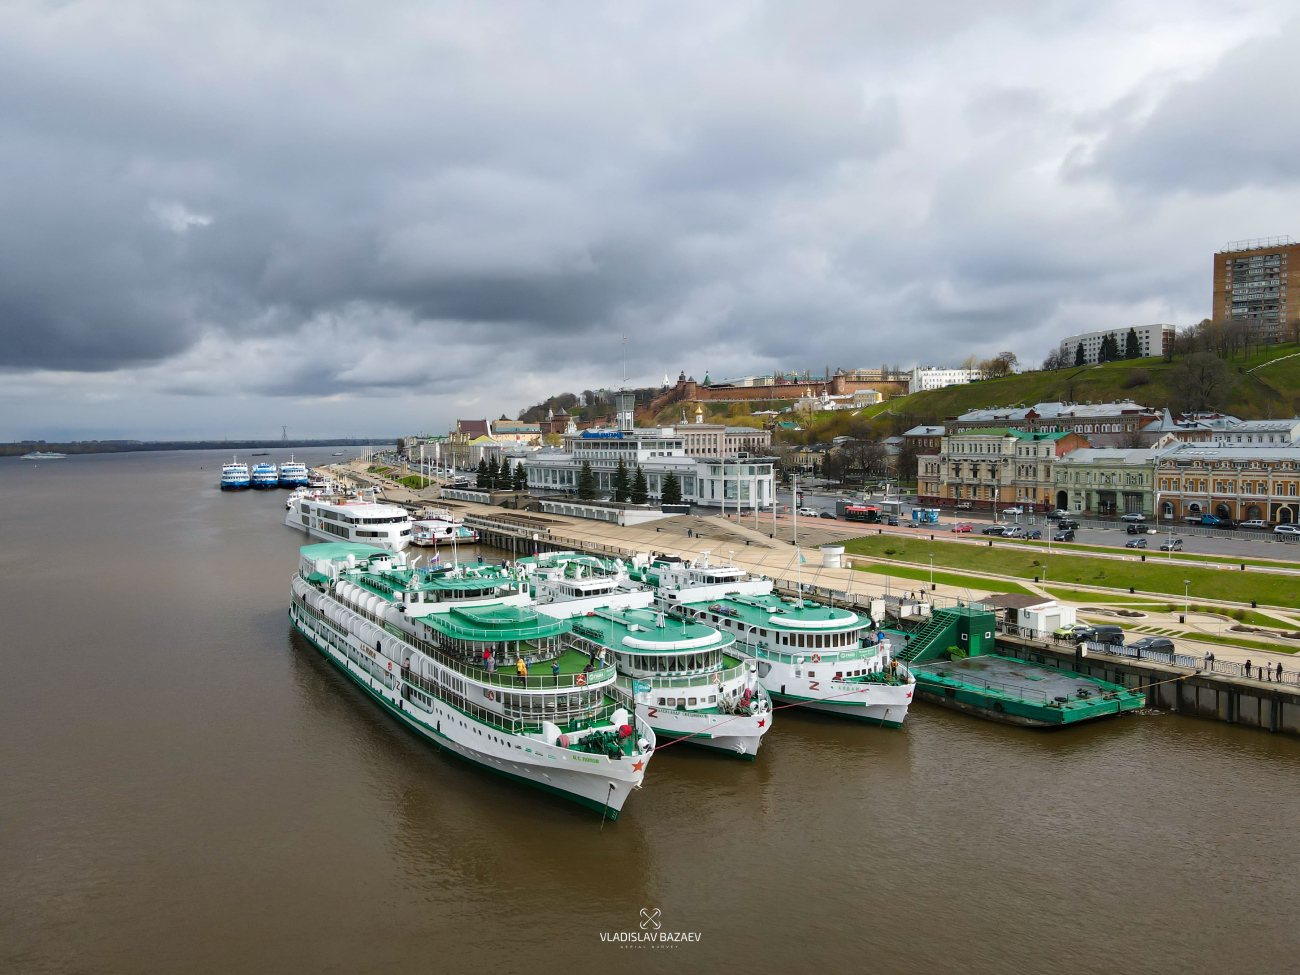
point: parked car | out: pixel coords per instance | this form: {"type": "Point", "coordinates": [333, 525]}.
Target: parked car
{"type": "Point", "coordinates": [1173, 545]}
{"type": "Point", "coordinates": [1065, 536]}
{"type": "Point", "coordinates": [1105, 633]}
{"type": "Point", "coordinates": [1057, 514]}
{"type": "Point", "coordinates": [962, 529]}
{"type": "Point", "coordinates": [827, 514]}
{"type": "Point", "coordinates": [1034, 533]}
{"type": "Point", "coordinates": [893, 521]}
{"type": "Point", "coordinates": [1286, 529]}
{"type": "Point", "coordinates": [1254, 523]}
{"type": "Point", "coordinates": [808, 512]}
{"type": "Point", "coordinates": [1013, 531]}
{"type": "Point", "coordinates": [1136, 543]}
{"type": "Point", "coordinates": [964, 506]}
{"type": "Point", "coordinates": [1136, 529]}
{"type": "Point", "coordinates": [1159, 643]}
{"type": "Point", "coordinates": [1072, 631]}
{"type": "Point", "coordinates": [1133, 516]}
{"type": "Point", "coordinates": [1013, 511]}
{"type": "Point", "coordinates": [1065, 524]}
{"type": "Point", "coordinates": [993, 530]}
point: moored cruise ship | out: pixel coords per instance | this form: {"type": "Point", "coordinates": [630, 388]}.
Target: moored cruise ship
{"type": "Point", "coordinates": [265, 476]}
{"type": "Point", "coordinates": [293, 474]}
{"type": "Point", "coordinates": [818, 657]}
{"type": "Point", "coordinates": [689, 682]}
{"type": "Point", "coordinates": [462, 658]}
{"type": "Point", "coordinates": [366, 522]}
{"type": "Point", "coordinates": [234, 476]}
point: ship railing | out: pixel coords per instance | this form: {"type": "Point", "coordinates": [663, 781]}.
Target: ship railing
{"type": "Point", "coordinates": [506, 679]}
{"type": "Point", "coordinates": [716, 677]}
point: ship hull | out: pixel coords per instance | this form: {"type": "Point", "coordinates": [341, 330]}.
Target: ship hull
{"type": "Point", "coordinates": [733, 735]}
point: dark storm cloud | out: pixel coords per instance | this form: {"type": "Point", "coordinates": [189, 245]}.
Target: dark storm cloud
{"type": "Point", "coordinates": [314, 200]}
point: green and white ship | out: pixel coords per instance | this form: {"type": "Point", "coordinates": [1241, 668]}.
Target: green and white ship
{"type": "Point", "coordinates": [687, 678]}
{"type": "Point", "coordinates": [820, 657]}
{"type": "Point", "coordinates": [439, 651]}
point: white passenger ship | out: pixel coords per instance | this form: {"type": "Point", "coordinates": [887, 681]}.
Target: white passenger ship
{"type": "Point", "coordinates": [688, 680]}
{"type": "Point", "coordinates": [349, 520]}
{"type": "Point", "coordinates": [234, 476]}
{"type": "Point", "coordinates": [439, 651]}
{"type": "Point", "coordinates": [818, 657]}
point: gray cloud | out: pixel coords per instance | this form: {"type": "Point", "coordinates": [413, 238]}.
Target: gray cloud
{"type": "Point", "coordinates": [1236, 125]}
{"type": "Point", "coordinates": [344, 208]}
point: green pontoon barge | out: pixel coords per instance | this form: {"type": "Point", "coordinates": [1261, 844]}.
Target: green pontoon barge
{"type": "Point", "coordinates": [951, 652]}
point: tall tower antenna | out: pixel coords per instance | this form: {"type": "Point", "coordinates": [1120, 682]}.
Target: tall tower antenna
{"type": "Point", "coordinates": [284, 434]}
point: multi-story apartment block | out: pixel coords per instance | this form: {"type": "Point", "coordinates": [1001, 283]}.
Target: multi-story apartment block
{"type": "Point", "coordinates": [1107, 481]}
{"type": "Point", "coordinates": [937, 377]}
{"type": "Point", "coordinates": [1252, 279]}
{"type": "Point", "coordinates": [924, 439]}
{"type": "Point", "coordinates": [993, 468]}
{"type": "Point", "coordinates": [1104, 424]}
{"type": "Point", "coordinates": [1230, 482]}
{"type": "Point", "coordinates": [1152, 340]}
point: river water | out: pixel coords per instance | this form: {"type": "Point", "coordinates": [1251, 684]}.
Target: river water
{"type": "Point", "coordinates": [189, 787]}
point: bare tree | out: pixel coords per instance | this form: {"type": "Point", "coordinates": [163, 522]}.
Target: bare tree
{"type": "Point", "coordinates": [1202, 381]}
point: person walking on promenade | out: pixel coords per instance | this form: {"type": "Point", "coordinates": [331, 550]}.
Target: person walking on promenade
{"type": "Point", "coordinates": [1247, 666]}
{"type": "Point", "coordinates": [1279, 670]}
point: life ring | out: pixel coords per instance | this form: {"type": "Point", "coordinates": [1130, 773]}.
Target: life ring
{"type": "Point", "coordinates": [717, 678]}
{"type": "Point", "coordinates": [816, 658]}
{"type": "Point", "coordinates": [579, 678]}
{"type": "Point", "coordinates": [492, 695]}
{"type": "Point", "coordinates": [390, 666]}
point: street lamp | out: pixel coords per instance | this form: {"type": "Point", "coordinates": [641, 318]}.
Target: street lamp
{"type": "Point", "coordinates": [1187, 583]}
{"type": "Point", "coordinates": [932, 572]}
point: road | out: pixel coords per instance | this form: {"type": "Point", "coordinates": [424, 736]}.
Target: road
{"type": "Point", "coordinates": [1116, 538]}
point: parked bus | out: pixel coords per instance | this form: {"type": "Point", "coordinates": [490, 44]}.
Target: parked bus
{"type": "Point", "coordinates": [862, 512]}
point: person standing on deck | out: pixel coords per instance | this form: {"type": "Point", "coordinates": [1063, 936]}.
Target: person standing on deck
{"type": "Point", "coordinates": [521, 669]}
{"type": "Point", "coordinates": [555, 670]}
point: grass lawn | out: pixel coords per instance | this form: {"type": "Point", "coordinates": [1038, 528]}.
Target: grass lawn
{"type": "Point", "coordinates": [416, 482]}
{"type": "Point", "coordinates": [1152, 576]}
{"type": "Point", "coordinates": [942, 578]}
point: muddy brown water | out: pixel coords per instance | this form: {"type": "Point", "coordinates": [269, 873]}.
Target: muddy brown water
{"type": "Point", "coordinates": [189, 787]}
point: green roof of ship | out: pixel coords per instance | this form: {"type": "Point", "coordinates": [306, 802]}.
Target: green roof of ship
{"type": "Point", "coordinates": [772, 610]}
{"type": "Point", "coordinates": [614, 628]}
{"type": "Point", "coordinates": [339, 551]}
{"type": "Point", "coordinates": [496, 622]}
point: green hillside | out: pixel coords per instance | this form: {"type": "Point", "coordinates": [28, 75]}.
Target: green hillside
{"type": "Point", "coordinates": [1266, 383]}
{"type": "Point", "coordinates": [1273, 387]}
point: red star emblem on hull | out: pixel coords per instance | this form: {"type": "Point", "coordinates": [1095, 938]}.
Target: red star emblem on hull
{"type": "Point", "coordinates": [638, 766]}
{"type": "Point", "coordinates": [762, 721]}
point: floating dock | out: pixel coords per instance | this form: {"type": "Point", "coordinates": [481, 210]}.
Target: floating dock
{"type": "Point", "coordinates": [1015, 692]}
{"type": "Point", "coordinates": [951, 652]}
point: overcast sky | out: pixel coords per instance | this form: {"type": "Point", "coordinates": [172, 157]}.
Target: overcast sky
{"type": "Point", "coordinates": [356, 218]}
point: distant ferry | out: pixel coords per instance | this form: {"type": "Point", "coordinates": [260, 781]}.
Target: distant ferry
{"type": "Point", "coordinates": [384, 525]}
{"type": "Point", "coordinates": [337, 453]}
{"type": "Point", "coordinates": [234, 476]}
{"type": "Point", "coordinates": [265, 476]}
{"type": "Point", "coordinates": [44, 455]}
{"type": "Point", "coordinates": [292, 473]}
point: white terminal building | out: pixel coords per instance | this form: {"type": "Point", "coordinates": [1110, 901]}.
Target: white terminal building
{"type": "Point", "coordinates": [1152, 340]}
{"type": "Point", "coordinates": [742, 481]}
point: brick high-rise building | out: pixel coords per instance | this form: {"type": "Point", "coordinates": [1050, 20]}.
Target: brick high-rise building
{"type": "Point", "coordinates": [1252, 279]}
